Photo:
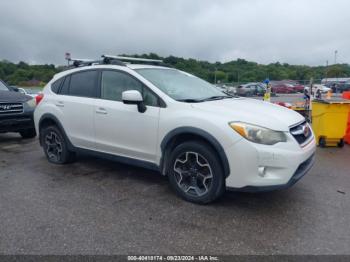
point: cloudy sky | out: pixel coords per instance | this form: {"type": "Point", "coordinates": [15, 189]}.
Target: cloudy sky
{"type": "Point", "coordinates": [265, 31]}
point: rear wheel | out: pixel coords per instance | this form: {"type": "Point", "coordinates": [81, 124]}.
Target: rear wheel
{"type": "Point", "coordinates": [28, 133]}
{"type": "Point", "coordinates": [195, 173]}
{"type": "Point", "coordinates": [55, 146]}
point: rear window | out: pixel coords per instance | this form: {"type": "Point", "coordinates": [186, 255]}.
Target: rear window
{"type": "Point", "coordinates": [65, 87]}
{"type": "Point", "coordinates": [83, 84]}
{"type": "Point", "coordinates": [55, 86]}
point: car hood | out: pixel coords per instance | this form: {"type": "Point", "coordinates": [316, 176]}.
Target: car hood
{"type": "Point", "coordinates": [13, 97]}
{"type": "Point", "coordinates": [253, 111]}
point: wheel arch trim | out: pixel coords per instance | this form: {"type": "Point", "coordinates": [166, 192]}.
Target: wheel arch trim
{"type": "Point", "coordinates": [197, 132]}
{"type": "Point", "coordinates": [54, 119]}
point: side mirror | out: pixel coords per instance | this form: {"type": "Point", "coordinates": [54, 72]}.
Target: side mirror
{"type": "Point", "coordinates": [134, 97]}
{"type": "Point", "coordinates": [15, 89]}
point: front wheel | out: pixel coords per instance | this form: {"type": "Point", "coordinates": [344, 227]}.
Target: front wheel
{"type": "Point", "coordinates": [195, 173]}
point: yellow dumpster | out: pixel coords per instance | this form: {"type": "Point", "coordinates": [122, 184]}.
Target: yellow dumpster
{"type": "Point", "coordinates": [329, 121]}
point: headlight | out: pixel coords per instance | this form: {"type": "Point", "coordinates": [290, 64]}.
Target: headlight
{"type": "Point", "coordinates": [258, 134]}
{"type": "Point", "coordinates": [31, 102]}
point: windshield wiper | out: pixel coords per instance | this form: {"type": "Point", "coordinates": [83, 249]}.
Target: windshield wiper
{"type": "Point", "coordinates": [189, 100]}
{"type": "Point", "coordinates": [211, 98]}
{"type": "Point", "coordinates": [215, 98]}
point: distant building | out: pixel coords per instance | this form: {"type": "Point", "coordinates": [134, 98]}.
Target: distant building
{"type": "Point", "coordinates": [339, 80]}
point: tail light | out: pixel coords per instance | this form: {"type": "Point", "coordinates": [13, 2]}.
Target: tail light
{"type": "Point", "coordinates": [38, 98]}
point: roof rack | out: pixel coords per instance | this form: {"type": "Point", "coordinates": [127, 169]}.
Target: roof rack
{"type": "Point", "coordinates": [131, 59]}
{"type": "Point", "coordinates": [111, 59]}
{"type": "Point", "coordinates": [82, 62]}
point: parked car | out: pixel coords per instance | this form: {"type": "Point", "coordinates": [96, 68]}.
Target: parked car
{"type": "Point", "coordinates": [16, 112]}
{"type": "Point", "coordinates": [340, 88]}
{"type": "Point", "coordinates": [297, 88]}
{"type": "Point", "coordinates": [251, 89]}
{"type": "Point", "coordinates": [221, 88]}
{"type": "Point", "coordinates": [33, 92]}
{"type": "Point", "coordinates": [323, 88]}
{"type": "Point", "coordinates": [283, 89]}
{"type": "Point", "coordinates": [171, 121]}
{"type": "Point", "coordinates": [232, 90]}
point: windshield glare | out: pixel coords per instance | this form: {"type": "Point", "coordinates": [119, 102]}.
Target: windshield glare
{"type": "Point", "coordinates": [3, 87]}
{"type": "Point", "coordinates": [180, 85]}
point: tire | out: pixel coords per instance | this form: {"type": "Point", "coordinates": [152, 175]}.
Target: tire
{"type": "Point", "coordinates": [28, 133]}
{"type": "Point", "coordinates": [55, 146]}
{"type": "Point", "coordinates": [341, 143]}
{"type": "Point", "coordinates": [195, 172]}
{"type": "Point", "coordinates": [322, 142]}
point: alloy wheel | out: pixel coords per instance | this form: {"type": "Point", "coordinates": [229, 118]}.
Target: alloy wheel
{"type": "Point", "coordinates": [193, 174]}
{"type": "Point", "coordinates": [53, 146]}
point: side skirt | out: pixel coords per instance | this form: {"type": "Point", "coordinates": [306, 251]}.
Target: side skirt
{"type": "Point", "coordinates": [120, 159]}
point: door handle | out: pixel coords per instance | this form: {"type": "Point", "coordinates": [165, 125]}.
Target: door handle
{"type": "Point", "coordinates": [60, 104]}
{"type": "Point", "coordinates": [101, 111]}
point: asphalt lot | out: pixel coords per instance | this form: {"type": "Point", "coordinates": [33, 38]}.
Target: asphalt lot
{"type": "Point", "coordinates": [96, 206]}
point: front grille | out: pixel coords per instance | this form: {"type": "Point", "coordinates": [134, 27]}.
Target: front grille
{"type": "Point", "coordinates": [11, 108]}
{"type": "Point", "coordinates": [301, 132]}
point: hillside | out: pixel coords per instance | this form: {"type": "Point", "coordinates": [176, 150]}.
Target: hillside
{"type": "Point", "coordinates": [239, 70]}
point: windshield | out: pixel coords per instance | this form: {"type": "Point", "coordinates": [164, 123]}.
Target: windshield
{"type": "Point", "coordinates": [181, 86]}
{"type": "Point", "coordinates": [3, 87]}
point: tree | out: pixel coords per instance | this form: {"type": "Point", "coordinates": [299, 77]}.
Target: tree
{"type": "Point", "coordinates": [239, 70]}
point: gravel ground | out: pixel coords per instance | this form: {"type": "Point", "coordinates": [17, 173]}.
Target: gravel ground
{"type": "Point", "coordinates": [95, 206]}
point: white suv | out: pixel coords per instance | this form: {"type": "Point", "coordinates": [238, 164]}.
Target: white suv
{"type": "Point", "coordinates": [161, 118]}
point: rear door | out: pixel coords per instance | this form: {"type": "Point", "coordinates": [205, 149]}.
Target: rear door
{"type": "Point", "coordinates": [76, 101]}
{"type": "Point", "coordinates": [120, 128]}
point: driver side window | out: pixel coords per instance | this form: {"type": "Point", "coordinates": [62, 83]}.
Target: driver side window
{"type": "Point", "coordinates": [114, 83]}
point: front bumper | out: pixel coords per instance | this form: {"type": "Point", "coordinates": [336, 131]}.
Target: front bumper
{"type": "Point", "coordinates": [299, 173]}
{"type": "Point", "coordinates": [17, 122]}
{"type": "Point", "coordinates": [283, 164]}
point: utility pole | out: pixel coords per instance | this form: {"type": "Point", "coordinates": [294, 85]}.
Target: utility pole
{"type": "Point", "coordinates": [215, 76]}
{"type": "Point", "coordinates": [67, 57]}
{"type": "Point", "coordinates": [335, 56]}
{"type": "Point", "coordinates": [326, 71]}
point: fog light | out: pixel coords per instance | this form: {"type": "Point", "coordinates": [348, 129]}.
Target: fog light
{"type": "Point", "coordinates": [261, 170]}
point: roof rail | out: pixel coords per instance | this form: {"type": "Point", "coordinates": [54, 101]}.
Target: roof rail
{"type": "Point", "coordinates": [110, 59]}
{"type": "Point", "coordinates": [131, 59]}
{"type": "Point", "coordinates": [77, 62]}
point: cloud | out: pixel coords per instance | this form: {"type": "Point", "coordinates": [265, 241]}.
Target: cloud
{"type": "Point", "coordinates": [294, 31]}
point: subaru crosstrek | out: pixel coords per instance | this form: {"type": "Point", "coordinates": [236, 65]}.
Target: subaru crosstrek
{"type": "Point", "coordinates": [161, 118]}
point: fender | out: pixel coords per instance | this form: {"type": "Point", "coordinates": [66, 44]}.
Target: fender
{"type": "Point", "coordinates": [199, 132]}
{"type": "Point", "coordinates": [51, 117]}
